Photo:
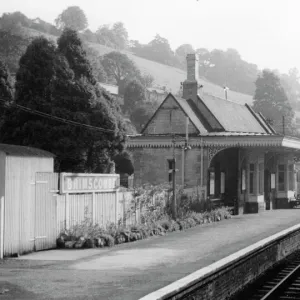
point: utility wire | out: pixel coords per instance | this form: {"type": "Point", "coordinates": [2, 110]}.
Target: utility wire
{"type": "Point", "coordinates": [41, 114]}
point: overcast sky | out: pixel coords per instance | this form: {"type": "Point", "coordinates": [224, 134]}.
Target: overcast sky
{"type": "Point", "coordinates": [265, 32]}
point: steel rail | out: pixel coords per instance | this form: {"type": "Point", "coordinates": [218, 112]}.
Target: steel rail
{"type": "Point", "coordinates": [278, 287]}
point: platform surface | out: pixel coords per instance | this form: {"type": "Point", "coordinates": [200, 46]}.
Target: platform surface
{"type": "Point", "coordinates": [130, 271]}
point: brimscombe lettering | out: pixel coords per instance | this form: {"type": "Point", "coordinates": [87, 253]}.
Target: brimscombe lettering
{"type": "Point", "coordinates": [79, 183]}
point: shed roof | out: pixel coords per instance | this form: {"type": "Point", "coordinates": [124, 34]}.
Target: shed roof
{"type": "Point", "coordinates": [15, 150]}
{"type": "Point", "coordinates": [113, 89]}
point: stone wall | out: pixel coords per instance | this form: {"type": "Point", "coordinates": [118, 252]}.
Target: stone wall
{"type": "Point", "coordinates": [151, 165]}
{"type": "Point", "coordinates": [169, 119]}
{"type": "Point", "coordinates": [228, 276]}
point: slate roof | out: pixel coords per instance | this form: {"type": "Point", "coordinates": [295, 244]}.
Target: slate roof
{"type": "Point", "coordinates": [233, 116]}
{"type": "Point", "coordinates": [213, 114]}
{"type": "Point", "coordinates": [15, 150]}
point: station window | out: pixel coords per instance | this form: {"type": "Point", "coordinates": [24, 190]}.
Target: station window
{"type": "Point", "coordinates": [251, 178]}
{"type": "Point", "coordinates": [291, 177]}
{"type": "Point", "coordinates": [281, 185]}
{"type": "Point", "coordinates": [212, 183]}
{"type": "Point", "coordinates": [222, 182]}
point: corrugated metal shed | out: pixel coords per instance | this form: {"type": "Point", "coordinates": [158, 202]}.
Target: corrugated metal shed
{"type": "Point", "coordinates": [18, 168]}
{"type": "Point", "coordinates": [15, 150]}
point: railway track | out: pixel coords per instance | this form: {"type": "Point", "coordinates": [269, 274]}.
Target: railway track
{"type": "Point", "coordinates": [281, 282]}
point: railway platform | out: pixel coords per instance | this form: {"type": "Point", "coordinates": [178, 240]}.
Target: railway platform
{"type": "Point", "coordinates": [133, 270]}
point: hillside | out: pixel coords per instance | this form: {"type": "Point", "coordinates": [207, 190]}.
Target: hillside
{"type": "Point", "coordinates": [172, 77]}
{"type": "Point", "coordinates": [164, 75]}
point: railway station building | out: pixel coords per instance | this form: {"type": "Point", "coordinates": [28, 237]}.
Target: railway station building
{"type": "Point", "coordinates": [224, 149]}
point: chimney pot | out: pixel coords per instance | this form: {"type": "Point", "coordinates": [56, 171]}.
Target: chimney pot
{"type": "Point", "coordinates": [190, 85]}
{"type": "Point", "coordinates": [192, 67]}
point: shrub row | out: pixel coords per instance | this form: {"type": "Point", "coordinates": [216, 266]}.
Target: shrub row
{"type": "Point", "coordinates": [87, 235]}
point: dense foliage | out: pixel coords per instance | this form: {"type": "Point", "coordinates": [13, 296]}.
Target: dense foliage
{"type": "Point", "coordinates": [119, 69]}
{"type": "Point", "coordinates": [59, 81]}
{"type": "Point", "coordinates": [72, 17]}
{"type": "Point", "coordinates": [6, 83]}
{"type": "Point", "coordinates": [134, 95]}
{"type": "Point", "coordinates": [13, 22]}
{"type": "Point", "coordinates": [115, 36]}
{"type": "Point", "coordinates": [12, 47]}
{"type": "Point", "coordinates": [123, 162]}
{"type": "Point", "coordinates": [271, 100]}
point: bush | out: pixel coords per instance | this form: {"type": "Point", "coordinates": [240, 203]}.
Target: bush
{"type": "Point", "coordinates": [155, 220]}
{"type": "Point", "coordinates": [165, 224]}
{"type": "Point", "coordinates": [109, 241]}
{"type": "Point", "coordinates": [191, 222]}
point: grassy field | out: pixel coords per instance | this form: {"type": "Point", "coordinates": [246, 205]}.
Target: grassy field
{"type": "Point", "coordinates": [164, 75]}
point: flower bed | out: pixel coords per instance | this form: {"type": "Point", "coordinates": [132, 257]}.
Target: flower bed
{"type": "Point", "coordinates": [87, 235]}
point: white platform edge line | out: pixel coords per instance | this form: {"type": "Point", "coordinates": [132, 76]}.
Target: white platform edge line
{"type": "Point", "coordinates": [201, 273]}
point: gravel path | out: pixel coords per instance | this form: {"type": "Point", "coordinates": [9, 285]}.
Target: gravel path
{"type": "Point", "coordinates": [130, 271]}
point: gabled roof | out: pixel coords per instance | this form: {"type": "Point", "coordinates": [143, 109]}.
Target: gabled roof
{"type": "Point", "coordinates": [183, 104]}
{"type": "Point", "coordinates": [186, 107]}
{"type": "Point", "coordinates": [214, 114]}
{"type": "Point", "coordinates": [15, 150]}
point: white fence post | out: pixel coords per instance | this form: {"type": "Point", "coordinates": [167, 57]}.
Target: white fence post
{"type": "Point", "coordinates": [117, 207]}
{"type": "Point", "coordinates": [1, 227]}
{"type": "Point", "coordinates": [67, 213]}
{"type": "Point", "coordinates": [124, 210]}
{"type": "Point", "coordinates": [93, 208]}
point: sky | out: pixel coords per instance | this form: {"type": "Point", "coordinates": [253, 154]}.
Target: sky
{"type": "Point", "coordinates": [264, 32]}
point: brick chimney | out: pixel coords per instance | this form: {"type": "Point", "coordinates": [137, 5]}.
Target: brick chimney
{"type": "Point", "coordinates": [190, 85]}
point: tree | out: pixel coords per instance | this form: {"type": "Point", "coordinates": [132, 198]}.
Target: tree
{"type": "Point", "coordinates": [291, 85]}
{"type": "Point", "coordinates": [6, 85]}
{"type": "Point", "coordinates": [12, 47]}
{"type": "Point", "coordinates": [13, 21]}
{"type": "Point", "coordinates": [70, 45]}
{"type": "Point", "coordinates": [182, 51]}
{"type": "Point", "coordinates": [89, 36]}
{"type": "Point", "coordinates": [134, 94]}
{"type": "Point", "coordinates": [73, 17]}
{"type": "Point", "coordinates": [6, 89]}
{"type": "Point", "coordinates": [94, 59]}
{"type": "Point", "coordinates": [271, 100]}
{"type": "Point", "coordinates": [120, 35]}
{"type": "Point", "coordinates": [147, 80]}
{"type": "Point", "coordinates": [119, 68]}
{"type": "Point", "coordinates": [124, 164]}
{"type": "Point", "coordinates": [59, 81]}
{"type": "Point", "coordinates": [105, 36]}
{"type": "Point", "coordinates": [114, 37]}
{"type": "Point", "coordinates": [227, 68]}
{"type": "Point", "coordinates": [142, 113]}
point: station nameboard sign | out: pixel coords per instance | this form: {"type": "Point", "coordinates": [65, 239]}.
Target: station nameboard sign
{"type": "Point", "coordinates": [88, 183]}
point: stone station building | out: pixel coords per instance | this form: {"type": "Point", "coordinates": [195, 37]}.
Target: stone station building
{"type": "Point", "coordinates": [224, 149]}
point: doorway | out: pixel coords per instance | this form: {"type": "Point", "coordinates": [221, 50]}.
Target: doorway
{"type": "Point", "coordinates": [267, 189]}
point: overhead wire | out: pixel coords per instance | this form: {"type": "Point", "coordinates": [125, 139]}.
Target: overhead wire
{"type": "Point", "coordinates": [45, 115]}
